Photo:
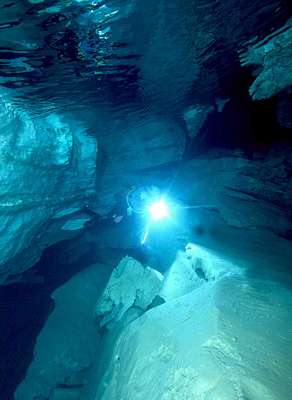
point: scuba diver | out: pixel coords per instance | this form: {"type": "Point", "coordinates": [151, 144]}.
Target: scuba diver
{"type": "Point", "coordinates": [139, 199]}
{"type": "Point", "coordinates": [119, 209]}
{"type": "Point", "coordinates": [128, 202]}
{"type": "Point", "coordinates": [135, 200]}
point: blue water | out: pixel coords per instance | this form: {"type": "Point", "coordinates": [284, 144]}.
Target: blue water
{"type": "Point", "coordinates": [116, 60]}
{"type": "Point", "coordinates": [141, 56]}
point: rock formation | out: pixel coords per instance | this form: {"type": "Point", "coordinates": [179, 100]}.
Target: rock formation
{"type": "Point", "coordinates": [272, 57]}
{"type": "Point", "coordinates": [248, 194]}
{"type": "Point", "coordinates": [67, 346]}
{"type": "Point", "coordinates": [47, 173]}
{"type": "Point", "coordinates": [181, 278]}
{"type": "Point", "coordinates": [98, 96]}
{"type": "Point", "coordinates": [130, 285]}
{"type": "Point", "coordinates": [228, 339]}
{"type": "Point", "coordinates": [195, 117]}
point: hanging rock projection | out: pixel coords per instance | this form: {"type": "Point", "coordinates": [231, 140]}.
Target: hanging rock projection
{"type": "Point", "coordinates": [272, 58]}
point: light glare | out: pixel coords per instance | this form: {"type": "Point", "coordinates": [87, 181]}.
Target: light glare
{"type": "Point", "coordinates": [159, 210]}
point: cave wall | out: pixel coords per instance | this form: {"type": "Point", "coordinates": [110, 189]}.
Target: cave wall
{"type": "Point", "coordinates": [51, 167]}
{"type": "Point", "coordinates": [136, 147]}
{"type": "Point", "coordinates": [47, 165]}
{"type": "Point", "coordinates": [248, 194]}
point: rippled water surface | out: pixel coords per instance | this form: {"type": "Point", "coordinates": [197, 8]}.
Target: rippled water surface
{"type": "Point", "coordinates": [130, 55]}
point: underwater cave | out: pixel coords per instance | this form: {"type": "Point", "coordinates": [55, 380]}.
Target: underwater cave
{"type": "Point", "coordinates": [145, 200]}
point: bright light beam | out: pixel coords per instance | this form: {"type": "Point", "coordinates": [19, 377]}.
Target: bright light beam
{"type": "Point", "coordinates": [146, 234]}
{"type": "Point", "coordinates": [159, 210]}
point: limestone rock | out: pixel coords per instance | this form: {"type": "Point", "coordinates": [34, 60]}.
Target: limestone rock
{"type": "Point", "coordinates": [195, 117]}
{"type": "Point", "coordinates": [273, 58]}
{"type": "Point", "coordinates": [247, 193]}
{"type": "Point", "coordinates": [67, 344]}
{"type": "Point", "coordinates": [181, 278]}
{"type": "Point", "coordinates": [192, 268]}
{"type": "Point", "coordinates": [46, 166]}
{"type": "Point", "coordinates": [230, 339]}
{"type": "Point", "coordinates": [210, 264]}
{"type": "Point", "coordinates": [130, 285]}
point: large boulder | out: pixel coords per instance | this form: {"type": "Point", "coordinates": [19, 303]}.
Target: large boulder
{"type": "Point", "coordinates": [67, 345]}
{"type": "Point", "coordinates": [229, 339]}
{"type": "Point", "coordinates": [47, 173]}
{"type": "Point", "coordinates": [130, 285]}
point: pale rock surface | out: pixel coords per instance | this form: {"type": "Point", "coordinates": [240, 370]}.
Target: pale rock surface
{"type": "Point", "coordinates": [46, 166]}
{"type": "Point", "coordinates": [195, 117]}
{"type": "Point", "coordinates": [191, 268]}
{"type": "Point", "coordinates": [229, 339]}
{"type": "Point", "coordinates": [273, 58]}
{"type": "Point", "coordinates": [76, 223]}
{"type": "Point", "coordinates": [212, 265]}
{"type": "Point", "coordinates": [130, 285]}
{"type": "Point", "coordinates": [67, 344]}
{"type": "Point", "coordinates": [181, 278]}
